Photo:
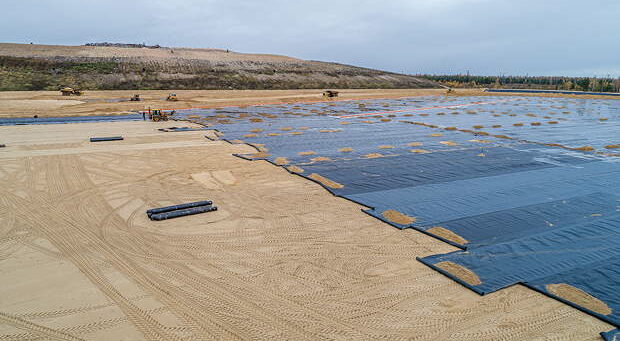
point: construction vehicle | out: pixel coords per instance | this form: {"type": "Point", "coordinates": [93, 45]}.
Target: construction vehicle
{"type": "Point", "coordinates": [172, 97]}
{"type": "Point", "coordinates": [330, 93]}
{"type": "Point", "coordinates": [135, 98]}
{"type": "Point", "coordinates": [157, 115]}
{"type": "Point", "coordinates": [71, 91]}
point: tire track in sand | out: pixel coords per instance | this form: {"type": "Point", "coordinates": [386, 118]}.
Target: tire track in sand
{"type": "Point", "coordinates": [37, 329]}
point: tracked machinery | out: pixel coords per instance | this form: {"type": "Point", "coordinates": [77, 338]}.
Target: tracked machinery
{"type": "Point", "coordinates": [157, 115]}
{"type": "Point", "coordinates": [71, 91]}
{"type": "Point", "coordinates": [330, 93]}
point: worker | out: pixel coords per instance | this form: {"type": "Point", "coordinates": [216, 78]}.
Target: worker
{"type": "Point", "coordinates": [143, 116]}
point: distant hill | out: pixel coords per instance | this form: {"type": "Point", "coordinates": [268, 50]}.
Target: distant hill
{"type": "Point", "coordinates": [50, 67]}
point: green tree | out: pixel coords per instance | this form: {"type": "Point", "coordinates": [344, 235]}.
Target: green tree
{"type": "Point", "coordinates": [584, 83]}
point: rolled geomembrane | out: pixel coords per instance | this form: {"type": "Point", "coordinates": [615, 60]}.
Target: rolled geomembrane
{"type": "Point", "coordinates": [110, 138]}
{"type": "Point", "coordinates": [182, 212]}
{"type": "Point", "coordinates": [178, 207]}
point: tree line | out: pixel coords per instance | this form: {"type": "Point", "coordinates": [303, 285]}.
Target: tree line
{"type": "Point", "coordinates": [596, 84]}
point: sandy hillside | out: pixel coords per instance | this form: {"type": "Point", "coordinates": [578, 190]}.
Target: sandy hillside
{"type": "Point", "coordinates": [50, 67]}
{"type": "Point", "coordinates": [77, 52]}
{"type": "Point", "coordinates": [280, 259]}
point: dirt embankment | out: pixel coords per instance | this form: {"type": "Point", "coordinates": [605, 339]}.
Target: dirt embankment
{"type": "Point", "coordinates": [47, 67]}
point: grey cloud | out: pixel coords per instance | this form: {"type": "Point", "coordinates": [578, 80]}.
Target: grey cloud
{"type": "Point", "coordinates": [485, 37]}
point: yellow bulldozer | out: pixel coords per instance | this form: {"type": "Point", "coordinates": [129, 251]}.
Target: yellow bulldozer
{"type": "Point", "coordinates": [71, 91]}
{"type": "Point", "coordinates": [330, 93]}
{"type": "Point", "coordinates": [157, 115]}
{"type": "Point", "coordinates": [172, 97]}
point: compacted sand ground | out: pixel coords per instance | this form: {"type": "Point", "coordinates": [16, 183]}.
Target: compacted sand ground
{"type": "Point", "coordinates": [281, 258]}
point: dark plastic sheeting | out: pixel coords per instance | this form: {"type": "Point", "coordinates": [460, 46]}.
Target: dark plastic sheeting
{"type": "Point", "coordinates": [437, 203]}
{"type": "Point", "coordinates": [554, 92]}
{"type": "Point", "coordinates": [406, 170]}
{"type": "Point", "coordinates": [504, 225]}
{"type": "Point", "coordinates": [73, 119]}
{"type": "Point", "coordinates": [584, 255]}
{"type": "Point", "coordinates": [524, 212]}
{"type": "Point", "coordinates": [612, 335]}
{"type": "Point", "coordinates": [572, 122]}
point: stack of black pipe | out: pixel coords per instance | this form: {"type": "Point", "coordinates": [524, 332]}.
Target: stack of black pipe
{"type": "Point", "coordinates": [181, 210]}
{"type": "Point", "coordinates": [108, 138]}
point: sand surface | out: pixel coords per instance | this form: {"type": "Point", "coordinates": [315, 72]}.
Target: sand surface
{"type": "Point", "coordinates": [281, 258]}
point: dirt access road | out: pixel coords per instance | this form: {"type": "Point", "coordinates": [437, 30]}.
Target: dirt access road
{"type": "Point", "coordinates": [280, 259]}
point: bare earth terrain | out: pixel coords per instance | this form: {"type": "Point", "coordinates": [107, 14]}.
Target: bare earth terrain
{"type": "Point", "coordinates": [51, 67]}
{"type": "Point", "coordinates": [281, 258]}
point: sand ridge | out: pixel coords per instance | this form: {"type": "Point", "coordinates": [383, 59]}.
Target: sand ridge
{"type": "Point", "coordinates": [460, 272]}
{"type": "Point", "coordinates": [398, 217]}
{"type": "Point", "coordinates": [447, 234]}
{"type": "Point", "coordinates": [579, 297]}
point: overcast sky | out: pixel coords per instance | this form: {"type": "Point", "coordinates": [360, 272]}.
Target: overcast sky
{"type": "Point", "coordinates": [535, 37]}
